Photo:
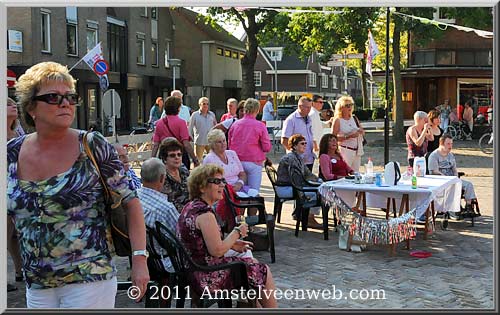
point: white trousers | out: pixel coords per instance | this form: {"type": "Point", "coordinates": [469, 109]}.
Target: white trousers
{"type": "Point", "coordinates": [92, 295]}
{"type": "Point", "coordinates": [468, 188]}
{"type": "Point", "coordinates": [254, 174]}
{"type": "Point", "coordinates": [351, 158]}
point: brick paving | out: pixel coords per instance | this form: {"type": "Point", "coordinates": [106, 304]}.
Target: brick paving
{"type": "Point", "coordinates": [459, 275]}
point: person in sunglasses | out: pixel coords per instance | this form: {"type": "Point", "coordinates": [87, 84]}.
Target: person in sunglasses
{"type": "Point", "coordinates": [349, 132]}
{"type": "Point", "coordinates": [292, 169]}
{"type": "Point", "coordinates": [134, 180]}
{"type": "Point", "coordinates": [175, 186]}
{"type": "Point", "coordinates": [55, 196]}
{"type": "Point", "coordinates": [200, 233]}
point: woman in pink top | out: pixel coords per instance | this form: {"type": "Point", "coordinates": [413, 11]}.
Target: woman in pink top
{"type": "Point", "coordinates": [233, 173]}
{"type": "Point", "coordinates": [331, 163]}
{"type": "Point", "coordinates": [248, 137]}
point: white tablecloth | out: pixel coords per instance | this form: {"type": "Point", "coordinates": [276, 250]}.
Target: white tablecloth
{"type": "Point", "coordinates": [445, 191]}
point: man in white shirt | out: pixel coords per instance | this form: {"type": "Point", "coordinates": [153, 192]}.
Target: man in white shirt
{"type": "Point", "coordinates": [268, 110]}
{"type": "Point", "coordinates": [199, 125]}
{"type": "Point", "coordinates": [317, 124]}
{"type": "Point", "coordinates": [184, 113]}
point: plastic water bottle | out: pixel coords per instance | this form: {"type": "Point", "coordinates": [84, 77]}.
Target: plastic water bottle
{"type": "Point", "coordinates": [369, 167]}
{"type": "Point", "coordinates": [414, 181]}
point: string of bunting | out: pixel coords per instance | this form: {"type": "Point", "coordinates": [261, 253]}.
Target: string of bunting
{"type": "Point", "coordinates": [372, 230]}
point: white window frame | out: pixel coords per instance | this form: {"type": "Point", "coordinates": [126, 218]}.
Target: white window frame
{"type": "Point", "coordinates": [141, 38]}
{"type": "Point", "coordinates": [257, 78]}
{"type": "Point", "coordinates": [154, 57]}
{"type": "Point", "coordinates": [45, 14]}
{"type": "Point", "coordinates": [155, 16]}
{"type": "Point", "coordinates": [324, 81]}
{"type": "Point", "coordinates": [311, 79]}
{"type": "Point", "coordinates": [92, 26]}
{"type": "Point", "coordinates": [334, 82]}
{"type": "Point", "coordinates": [166, 54]}
{"type": "Point", "coordinates": [144, 12]}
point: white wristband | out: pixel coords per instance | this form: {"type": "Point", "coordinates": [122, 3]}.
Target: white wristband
{"type": "Point", "coordinates": [241, 182]}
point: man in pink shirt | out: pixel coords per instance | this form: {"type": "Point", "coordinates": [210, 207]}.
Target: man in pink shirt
{"type": "Point", "coordinates": [173, 126]}
{"type": "Point", "coordinates": [232, 104]}
{"type": "Point", "coordinates": [249, 138]}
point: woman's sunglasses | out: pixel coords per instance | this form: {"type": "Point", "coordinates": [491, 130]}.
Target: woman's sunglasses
{"type": "Point", "coordinates": [57, 99]}
{"type": "Point", "coordinates": [174, 155]}
{"type": "Point", "coordinates": [217, 181]}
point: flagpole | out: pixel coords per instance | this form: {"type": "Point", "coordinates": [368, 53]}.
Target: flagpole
{"type": "Point", "coordinates": [81, 59]}
{"type": "Point", "coordinates": [387, 69]}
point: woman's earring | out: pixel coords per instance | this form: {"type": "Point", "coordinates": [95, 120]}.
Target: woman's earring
{"type": "Point", "coordinates": [34, 117]}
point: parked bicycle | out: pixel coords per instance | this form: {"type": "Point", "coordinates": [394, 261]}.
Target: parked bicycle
{"type": "Point", "coordinates": [459, 131]}
{"type": "Point", "coordinates": [486, 141]}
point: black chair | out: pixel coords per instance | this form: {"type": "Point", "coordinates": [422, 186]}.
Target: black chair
{"type": "Point", "coordinates": [302, 212]}
{"type": "Point", "coordinates": [474, 211]}
{"type": "Point", "coordinates": [185, 268]}
{"type": "Point", "coordinates": [261, 218]}
{"type": "Point", "coordinates": [278, 200]}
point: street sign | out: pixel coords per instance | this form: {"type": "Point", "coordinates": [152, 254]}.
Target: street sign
{"type": "Point", "coordinates": [111, 103]}
{"type": "Point", "coordinates": [101, 67]}
{"type": "Point", "coordinates": [355, 56]}
{"type": "Point", "coordinates": [335, 63]}
{"type": "Point", "coordinates": [337, 56]}
{"type": "Point", "coordinates": [104, 82]}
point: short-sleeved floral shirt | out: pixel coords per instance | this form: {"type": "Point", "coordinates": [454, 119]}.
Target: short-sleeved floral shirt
{"type": "Point", "coordinates": [63, 231]}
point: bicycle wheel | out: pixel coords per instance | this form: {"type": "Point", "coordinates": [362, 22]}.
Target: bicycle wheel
{"type": "Point", "coordinates": [452, 132]}
{"type": "Point", "coordinates": [485, 144]}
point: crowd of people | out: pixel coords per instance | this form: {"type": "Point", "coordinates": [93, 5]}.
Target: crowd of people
{"type": "Point", "coordinates": [57, 226]}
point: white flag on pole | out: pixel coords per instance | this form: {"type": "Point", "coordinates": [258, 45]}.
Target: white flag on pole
{"type": "Point", "coordinates": [93, 55]}
{"type": "Point", "coordinates": [372, 53]}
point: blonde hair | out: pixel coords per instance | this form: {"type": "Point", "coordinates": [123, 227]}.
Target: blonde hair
{"type": "Point", "coordinates": [341, 104]}
{"type": "Point", "coordinates": [197, 180]}
{"type": "Point", "coordinates": [214, 135]}
{"type": "Point", "coordinates": [32, 80]}
{"type": "Point", "coordinates": [251, 106]}
{"type": "Point", "coordinates": [203, 99]}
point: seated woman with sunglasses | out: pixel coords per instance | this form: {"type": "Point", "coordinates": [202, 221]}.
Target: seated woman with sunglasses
{"type": "Point", "coordinates": [292, 169]}
{"type": "Point", "coordinates": [331, 163]}
{"type": "Point", "coordinates": [198, 230]}
{"type": "Point", "coordinates": [175, 186]}
{"type": "Point", "coordinates": [55, 196]}
{"type": "Point", "coordinates": [233, 170]}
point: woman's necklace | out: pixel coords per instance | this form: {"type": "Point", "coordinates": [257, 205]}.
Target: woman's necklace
{"type": "Point", "coordinates": [175, 174]}
{"type": "Point", "coordinates": [223, 157]}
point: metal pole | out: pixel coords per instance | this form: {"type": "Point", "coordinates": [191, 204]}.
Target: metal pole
{"type": "Point", "coordinates": [173, 78]}
{"type": "Point", "coordinates": [387, 69]}
{"type": "Point", "coordinates": [113, 114]}
{"type": "Point", "coordinates": [345, 71]}
{"type": "Point", "coordinates": [275, 84]}
{"type": "Point", "coordinates": [371, 95]}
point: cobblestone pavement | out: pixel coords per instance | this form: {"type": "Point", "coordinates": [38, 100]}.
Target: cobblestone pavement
{"type": "Point", "coordinates": [459, 275]}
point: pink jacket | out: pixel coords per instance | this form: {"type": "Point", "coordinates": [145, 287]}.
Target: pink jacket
{"type": "Point", "coordinates": [249, 138]}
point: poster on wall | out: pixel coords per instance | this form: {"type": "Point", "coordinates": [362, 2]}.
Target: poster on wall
{"type": "Point", "coordinates": [15, 41]}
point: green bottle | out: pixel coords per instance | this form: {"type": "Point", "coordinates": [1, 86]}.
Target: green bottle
{"type": "Point", "coordinates": [414, 181]}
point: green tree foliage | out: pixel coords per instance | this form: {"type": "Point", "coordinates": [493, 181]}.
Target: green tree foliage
{"type": "Point", "coordinates": [253, 22]}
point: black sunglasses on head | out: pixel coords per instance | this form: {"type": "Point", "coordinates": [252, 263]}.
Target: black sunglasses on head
{"type": "Point", "coordinates": [216, 181]}
{"type": "Point", "coordinates": [57, 99]}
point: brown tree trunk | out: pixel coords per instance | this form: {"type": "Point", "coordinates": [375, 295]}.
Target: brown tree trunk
{"type": "Point", "coordinates": [248, 61]}
{"type": "Point", "coordinates": [397, 107]}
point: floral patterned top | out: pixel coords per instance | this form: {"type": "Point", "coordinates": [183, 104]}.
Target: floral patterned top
{"type": "Point", "coordinates": [192, 239]}
{"type": "Point", "coordinates": [63, 233]}
{"type": "Point", "coordinates": [177, 192]}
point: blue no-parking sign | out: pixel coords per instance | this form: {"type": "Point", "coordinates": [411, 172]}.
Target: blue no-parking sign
{"type": "Point", "coordinates": [101, 67]}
